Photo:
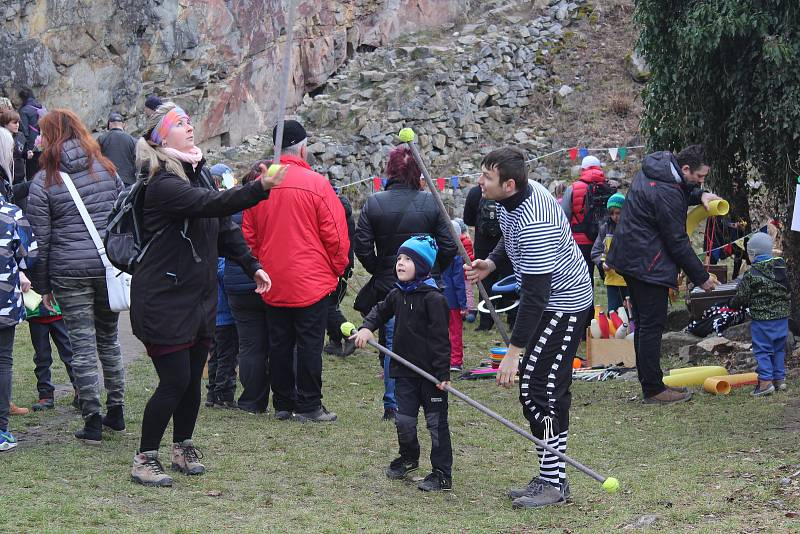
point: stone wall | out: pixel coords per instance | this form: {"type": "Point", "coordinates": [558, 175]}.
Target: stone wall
{"type": "Point", "coordinates": [220, 59]}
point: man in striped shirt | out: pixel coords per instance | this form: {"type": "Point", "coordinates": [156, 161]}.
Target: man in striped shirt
{"type": "Point", "coordinates": [555, 300]}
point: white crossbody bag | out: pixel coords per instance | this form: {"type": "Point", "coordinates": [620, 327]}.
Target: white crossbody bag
{"type": "Point", "coordinates": [119, 283]}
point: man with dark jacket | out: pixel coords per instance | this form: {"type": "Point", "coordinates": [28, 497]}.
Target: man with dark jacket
{"type": "Point", "coordinates": [29, 114]}
{"type": "Point", "coordinates": [651, 245]}
{"type": "Point", "coordinates": [118, 146]}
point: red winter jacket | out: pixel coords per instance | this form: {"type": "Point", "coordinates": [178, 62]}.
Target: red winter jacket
{"type": "Point", "coordinates": [300, 236]}
{"type": "Point", "coordinates": [591, 175]}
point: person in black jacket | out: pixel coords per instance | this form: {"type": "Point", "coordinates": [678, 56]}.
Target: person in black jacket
{"type": "Point", "coordinates": [650, 246]}
{"type": "Point", "coordinates": [387, 220]}
{"type": "Point", "coordinates": [9, 119]}
{"type": "Point", "coordinates": [421, 335]}
{"type": "Point", "coordinates": [174, 288]}
{"type": "Point", "coordinates": [29, 114]}
{"type": "Point", "coordinates": [335, 315]}
{"type": "Point", "coordinates": [120, 147]}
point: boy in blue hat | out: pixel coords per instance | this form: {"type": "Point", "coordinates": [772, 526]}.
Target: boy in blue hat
{"type": "Point", "coordinates": [421, 336]}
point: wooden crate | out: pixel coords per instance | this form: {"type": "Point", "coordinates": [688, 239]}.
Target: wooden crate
{"type": "Point", "coordinates": [610, 351]}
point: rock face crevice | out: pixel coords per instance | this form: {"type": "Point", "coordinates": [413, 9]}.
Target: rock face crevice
{"type": "Point", "coordinates": [220, 59]}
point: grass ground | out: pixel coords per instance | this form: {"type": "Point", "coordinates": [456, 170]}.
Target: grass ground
{"type": "Point", "coordinates": [710, 465]}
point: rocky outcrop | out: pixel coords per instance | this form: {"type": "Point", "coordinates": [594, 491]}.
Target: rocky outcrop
{"type": "Point", "coordinates": [220, 59]}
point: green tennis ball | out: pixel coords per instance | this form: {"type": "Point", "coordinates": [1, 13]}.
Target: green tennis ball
{"type": "Point", "coordinates": [273, 170]}
{"type": "Point", "coordinates": [347, 329]}
{"type": "Point", "coordinates": [611, 485]}
{"type": "Point", "coordinates": [407, 135]}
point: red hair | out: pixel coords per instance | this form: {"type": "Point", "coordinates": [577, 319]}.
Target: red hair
{"type": "Point", "coordinates": [58, 127]}
{"type": "Point", "coordinates": [402, 168]}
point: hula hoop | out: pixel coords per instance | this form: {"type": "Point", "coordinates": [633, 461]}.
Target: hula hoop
{"type": "Point", "coordinates": [506, 285]}
{"type": "Point", "coordinates": [483, 309]}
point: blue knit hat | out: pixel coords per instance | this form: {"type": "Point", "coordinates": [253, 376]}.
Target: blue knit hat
{"type": "Point", "coordinates": [422, 251]}
{"type": "Point", "coordinates": [617, 200]}
{"type": "Point", "coordinates": [220, 169]}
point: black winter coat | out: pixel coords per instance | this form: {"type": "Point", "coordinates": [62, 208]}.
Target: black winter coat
{"type": "Point", "coordinates": [387, 220]}
{"type": "Point", "coordinates": [65, 247]}
{"type": "Point", "coordinates": [118, 146]}
{"type": "Point", "coordinates": [235, 280]}
{"type": "Point", "coordinates": [29, 122]}
{"type": "Point", "coordinates": [174, 289]}
{"type": "Point", "coordinates": [650, 241]}
{"type": "Point", "coordinates": [420, 329]}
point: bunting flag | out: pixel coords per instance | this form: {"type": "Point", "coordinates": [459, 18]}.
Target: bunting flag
{"type": "Point", "coordinates": [376, 183]}
{"type": "Point", "coordinates": [583, 152]}
{"type": "Point", "coordinates": [454, 181]}
{"type": "Point", "coordinates": [440, 184]}
{"type": "Point", "coordinates": [573, 153]}
{"type": "Point", "coordinates": [622, 153]}
{"type": "Point", "coordinates": [613, 153]}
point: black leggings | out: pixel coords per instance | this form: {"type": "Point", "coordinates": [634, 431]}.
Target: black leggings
{"type": "Point", "coordinates": [177, 396]}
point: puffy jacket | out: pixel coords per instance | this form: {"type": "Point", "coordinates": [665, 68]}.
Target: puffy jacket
{"type": "Point", "coordinates": [118, 146]}
{"type": "Point", "coordinates": [600, 249]}
{"type": "Point", "coordinates": [764, 289]}
{"type": "Point", "coordinates": [389, 218]}
{"type": "Point", "coordinates": [574, 201]}
{"type": "Point", "coordinates": [18, 251]}
{"type": "Point", "coordinates": [224, 315]}
{"type": "Point", "coordinates": [455, 289]}
{"type": "Point", "coordinates": [300, 236]}
{"type": "Point", "coordinates": [237, 281]}
{"type": "Point", "coordinates": [650, 241]}
{"type": "Point", "coordinates": [65, 247]}
{"type": "Point", "coordinates": [174, 289]}
{"type": "Point", "coordinates": [420, 329]}
{"type": "Point", "coordinates": [29, 121]}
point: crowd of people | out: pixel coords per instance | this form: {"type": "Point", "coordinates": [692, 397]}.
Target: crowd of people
{"type": "Point", "coordinates": [252, 277]}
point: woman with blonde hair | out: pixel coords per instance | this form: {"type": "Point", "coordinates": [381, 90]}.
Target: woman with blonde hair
{"type": "Point", "coordinates": [174, 288]}
{"type": "Point", "coordinates": [69, 266]}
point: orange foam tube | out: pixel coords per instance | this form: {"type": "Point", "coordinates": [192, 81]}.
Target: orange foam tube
{"type": "Point", "coordinates": [721, 385]}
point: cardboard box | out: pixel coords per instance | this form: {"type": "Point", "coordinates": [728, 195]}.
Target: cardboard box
{"type": "Point", "coordinates": [610, 351]}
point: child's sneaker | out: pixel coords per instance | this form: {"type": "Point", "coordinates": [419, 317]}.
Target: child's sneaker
{"type": "Point", "coordinates": [186, 458]}
{"type": "Point", "coordinates": [436, 481]}
{"type": "Point", "coordinates": [763, 389]}
{"type": "Point", "coordinates": [400, 467]}
{"type": "Point", "coordinates": [7, 441]}
{"type": "Point", "coordinates": [545, 494]}
{"type": "Point", "coordinates": [148, 471]}
{"type": "Point", "coordinates": [780, 385]}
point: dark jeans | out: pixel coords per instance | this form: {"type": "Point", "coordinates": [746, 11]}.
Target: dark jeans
{"type": "Point", "coordinates": [616, 297]}
{"type": "Point", "coordinates": [650, 303]}
{"type": "Point", "coordinates": [412, 393]}
{"type": "Point", "coordinates": [93, 332]}
{"type": "Point", "coordinates": [177, 396]}
{"type": "Point", "coordinates": [222, 363]}
{"type": "Point", "coordinates": [43, 354]}
{"type": "Point", "coordinates": [296, 337]}
{"type": "Point", "coordinates": [250, 313]}
{"type": "Point", "coordinates": [6, 349]}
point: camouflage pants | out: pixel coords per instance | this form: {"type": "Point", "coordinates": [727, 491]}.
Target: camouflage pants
{"type": "Point", "coordinates": [93, 332]}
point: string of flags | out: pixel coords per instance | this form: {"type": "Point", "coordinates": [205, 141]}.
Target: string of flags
{"type": "Point", "coordinates": [615, 153]}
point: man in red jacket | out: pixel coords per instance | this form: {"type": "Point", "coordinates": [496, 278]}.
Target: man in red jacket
{"type": "Point", "coordinates": [300, 233]}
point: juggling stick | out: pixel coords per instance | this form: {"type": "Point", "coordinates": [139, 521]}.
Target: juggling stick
{"type": "Point", "coordinates": [610, 484]}
{"type": "Point", "coordinates": [287, 65]}
{"type": "Point", "coordinates": [408, 137]}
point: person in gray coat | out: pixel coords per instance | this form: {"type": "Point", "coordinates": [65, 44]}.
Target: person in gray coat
{"type": "Point", "coordinates": [69, 267]}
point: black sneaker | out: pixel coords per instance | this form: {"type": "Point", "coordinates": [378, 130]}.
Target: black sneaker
{"type": "Point", "coordinates": [349, 347]}
{"type": "Point", "coordinates": [211, 399]}
{"type": "Point", "coordinates": [334, 348]}
{"type": "Point", "coordinates": [227, 403]}
{"type": "Point", "coordinates": [389, 414]}
{"type": "Point", "coordinates": [436, 481]}
{"type": "Point", "coordinates": [320, 415]}
{"type": "Point", "coordinates": [92, 431]}
{"type": "Point", "coordinates": [400, 467]}
{"type": "Point", "coordinates": [283, 415]}
{"type": "Point", "coordinates": [114, 419]}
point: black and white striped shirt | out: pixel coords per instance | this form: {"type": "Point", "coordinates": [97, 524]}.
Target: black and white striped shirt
{"type": "Point", "coordinates": [538, 240]}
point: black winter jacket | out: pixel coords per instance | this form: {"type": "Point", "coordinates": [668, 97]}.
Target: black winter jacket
{"type": "Point", "coordinates": [420, 329]}
{"type": "Point", "coordinates": [650, 241]}
{"type": "Point", "coordinates": [174, 289]}
{"type": "Point", "coordinates": [65, 247]}
{"type": "Point", "coordinates": [118, 146]}
{"type": "Point", "coordinates": [29, 122]}
{"type": "Point", "coordinates": [387, 220]}
{"type": "Point", "coordinates": [237, 281]}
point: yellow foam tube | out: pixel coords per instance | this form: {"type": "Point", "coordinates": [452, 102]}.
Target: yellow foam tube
{"type": "Point", "coordinates": [699, 213]}
{"type": "Point", "coordinates": [693, 376]}
{"type": "Point", "coordinates": [721, 385]}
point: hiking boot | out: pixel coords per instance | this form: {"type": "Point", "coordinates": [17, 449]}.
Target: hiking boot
{"type": "Point", "coordinates": [211, 399]}
{"type": "Point", "coordinates": [7, 441]}
{"type": "Point", "coordinates": [389, 414]}
{"type": "Point", "coordinates": [186, 458]}
{"type": "Point", "coordinates": [148, 471]}
{"type": "Point", "coordinates": [780, 385]}
{"type": "Point", "coordinates": [320, 415]}
{"type": "Point", "coordinates": [283, 415]}
{"type": "Point", "coordinates": [114, 419]}
{"type": "Point", "coordinates": [436, 481]}
{"type": "Point", "coordinates": [545, 494]}
{"type": "Point", "coordinates": [668, 396]}
{"type": "Point", "coordinates": [43, 404]}
{"type": "Point", "coordinates": [400, 467]}
{"type": "Point", "coordinates": [764, 388]}
{"type": "Point", "coordinates": [349, 347]}
{"type": "Point", "coordinates": [455, 368]}
{"type": "Point", "coordinates": [334, 348]}
{"type": "Point", "coordinates": [13, 409]}
{"type": "Point", "coordinates": [92, 431]}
